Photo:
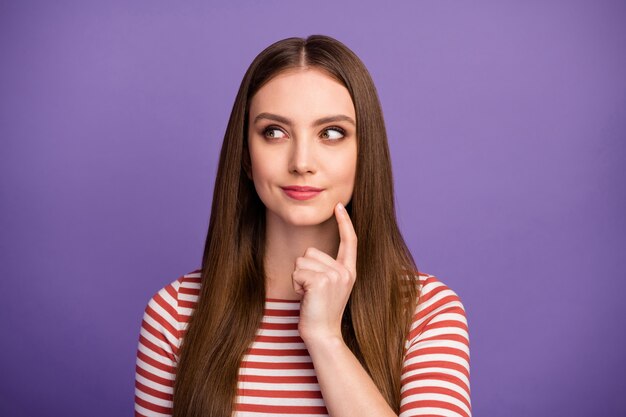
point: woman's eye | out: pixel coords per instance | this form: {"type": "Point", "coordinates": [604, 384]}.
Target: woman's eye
{"type": "Point", "coordinates": [336, 129]}
{"type": "Point", "coordinates": [270, 132]}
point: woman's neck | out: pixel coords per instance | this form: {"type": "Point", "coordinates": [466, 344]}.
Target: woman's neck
{"type": "Point", "coordinates": [286, 242]}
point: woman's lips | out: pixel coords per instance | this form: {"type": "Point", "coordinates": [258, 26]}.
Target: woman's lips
{"type": "Point", "coordinates": [302, 193]}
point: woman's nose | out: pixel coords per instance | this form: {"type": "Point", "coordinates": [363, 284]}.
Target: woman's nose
{"type": "Point", "coordinates": [302, 157]}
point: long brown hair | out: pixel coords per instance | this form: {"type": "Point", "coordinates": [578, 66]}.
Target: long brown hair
{"type": "Point", "coordinates": [231, 301]}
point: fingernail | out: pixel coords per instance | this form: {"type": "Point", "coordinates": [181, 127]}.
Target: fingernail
{"type": "Point", "coordinates": [341, 207]}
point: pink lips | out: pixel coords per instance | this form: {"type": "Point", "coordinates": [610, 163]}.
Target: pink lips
{"type": "Point", "coordinates": [301, 193]}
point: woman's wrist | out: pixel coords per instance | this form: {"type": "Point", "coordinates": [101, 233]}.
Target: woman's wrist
{"type": "Point", "coordinates": [320, 342]}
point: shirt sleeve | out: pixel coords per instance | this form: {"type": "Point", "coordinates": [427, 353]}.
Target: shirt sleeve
{"type": "Point", "coordinates": [435, 372]}
{"type": "Point", "coordinates": [159, 340]}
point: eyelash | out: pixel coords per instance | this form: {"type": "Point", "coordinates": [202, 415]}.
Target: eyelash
{"type": "Point", "coordinates": [336, 128]}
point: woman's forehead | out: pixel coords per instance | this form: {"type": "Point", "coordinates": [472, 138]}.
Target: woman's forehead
{"type": "Point", "coordinates": [302, 96]}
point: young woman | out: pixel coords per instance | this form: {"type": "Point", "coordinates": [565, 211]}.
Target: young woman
{"type": "Point", "coordinates": [291, 314]}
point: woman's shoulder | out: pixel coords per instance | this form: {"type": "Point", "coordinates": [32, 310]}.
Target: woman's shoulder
{"type": "Point", "coordinates": [437, 303]}
{"type": "Point", "coordinates": [178, 298]}
{"type": "Point", "coordinates": [430, 285]}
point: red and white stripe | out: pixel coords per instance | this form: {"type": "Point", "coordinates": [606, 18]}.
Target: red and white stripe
{"type": "Point", "coordinates": [277, 377]}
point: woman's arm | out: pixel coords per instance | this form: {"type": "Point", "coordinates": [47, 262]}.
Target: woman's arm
{"type": "Point", "coordinates": [346, 387]}
{"type": "Point", "coordinates": [436, 368]}
{"type": "Point", "coordinates": [156, 355]}
{"type": "Point", "coordinates": [435, 375]}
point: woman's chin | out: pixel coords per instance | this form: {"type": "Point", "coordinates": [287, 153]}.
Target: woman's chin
{"type": "Point", "coordinates": [306, 218]}
{"type": "Point", "coordinates": [307, 221]}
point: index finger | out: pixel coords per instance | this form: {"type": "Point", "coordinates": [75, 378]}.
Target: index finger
{"type": "Point", "coordinates": [347, 239]}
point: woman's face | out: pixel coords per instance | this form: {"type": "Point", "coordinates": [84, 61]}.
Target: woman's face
{"type": "Point", "coordinates": [291, 144]}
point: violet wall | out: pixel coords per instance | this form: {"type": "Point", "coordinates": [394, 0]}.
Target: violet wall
{"type": "Point", "coordinates": [506, 122]}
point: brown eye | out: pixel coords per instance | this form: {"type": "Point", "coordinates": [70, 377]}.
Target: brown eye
{"type": "Point", "coordinates": [270, 132]}
{"type": "Point", "coordinates": [336, 129]}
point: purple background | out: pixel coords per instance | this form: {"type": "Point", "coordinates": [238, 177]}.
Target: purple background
{"type": "Point", "coordinates": [506, 125]}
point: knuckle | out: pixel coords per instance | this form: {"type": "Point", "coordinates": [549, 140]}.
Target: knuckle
{"type": "Point", "coordinates": [346, 275]}
{"type": "Point", "coordinates": [323, 280]}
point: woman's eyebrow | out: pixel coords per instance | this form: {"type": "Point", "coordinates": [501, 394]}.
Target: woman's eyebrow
{"type": "Point", "coordinates": [323, 120]}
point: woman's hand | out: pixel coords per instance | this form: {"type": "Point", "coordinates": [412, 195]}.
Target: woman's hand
{"type": "Point", "coordinates": [325, 283]}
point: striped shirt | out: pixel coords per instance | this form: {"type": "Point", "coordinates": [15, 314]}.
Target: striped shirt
{"type": "Point", "coordinates": [277, 377]}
